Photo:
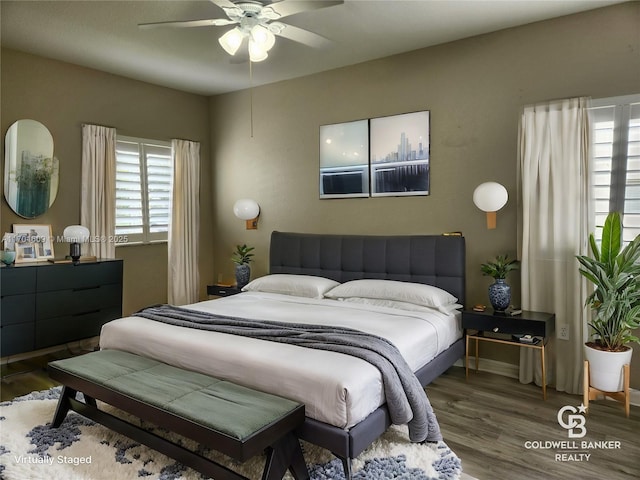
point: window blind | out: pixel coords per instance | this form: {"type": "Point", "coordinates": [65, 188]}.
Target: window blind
{"type": "Point", "coordinates": [616, 162]}
{"type": "Point", "coordinates": [144, 172]}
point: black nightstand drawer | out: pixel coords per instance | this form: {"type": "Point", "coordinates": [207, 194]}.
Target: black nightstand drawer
{"type": "Point", "coordinates": [532, 323]}
{"type": "Point", "coordinates": [220, 291]}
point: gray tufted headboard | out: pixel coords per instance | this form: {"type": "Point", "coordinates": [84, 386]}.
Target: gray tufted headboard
{"type": "Point", "coordinates": [431, 259]}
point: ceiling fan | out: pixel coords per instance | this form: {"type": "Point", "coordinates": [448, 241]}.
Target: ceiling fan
{"type": "Point", "coordinates": [257, 24]}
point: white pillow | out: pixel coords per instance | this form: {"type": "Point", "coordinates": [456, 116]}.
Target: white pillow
{"type": "Point", "coordinates": [412, 307]}
{"type": "Point", "coordinates": [416, 293]}
{"type": "Point", "coordinates": [296, 285]}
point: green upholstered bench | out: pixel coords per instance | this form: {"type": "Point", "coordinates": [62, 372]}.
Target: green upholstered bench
{"type": "Point", "coordinates": [232, 419]}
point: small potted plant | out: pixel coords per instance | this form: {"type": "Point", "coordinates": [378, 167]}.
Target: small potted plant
{"type": "Point", "coordinates": [615, 304]}
{"type": "Point", "coordinates": [499, 291]}
{"type": "Point", "coordinates": [242, 258]}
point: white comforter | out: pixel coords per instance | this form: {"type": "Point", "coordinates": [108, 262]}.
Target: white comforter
{"type": "Point", "coordinates": [335, 388]}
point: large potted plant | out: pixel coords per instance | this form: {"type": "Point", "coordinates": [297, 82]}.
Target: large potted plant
{"type": "Point", "coordinates": [615, 304]}
{"type": "Point", "coordinates": [242, 258]}
{"type": "Point", "coordinates": [499, 291]}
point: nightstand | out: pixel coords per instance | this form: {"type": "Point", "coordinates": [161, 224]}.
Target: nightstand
{"type": "Point", "coordinates": [488, 325]}
{"type": "Point", "coordinates": [222, 291]}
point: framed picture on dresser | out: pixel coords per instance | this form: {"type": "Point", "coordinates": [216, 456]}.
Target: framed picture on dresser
{"type": "Point", "coordinates": [34, 243]}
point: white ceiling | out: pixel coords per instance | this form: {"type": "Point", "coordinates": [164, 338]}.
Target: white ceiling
{"type": "Point", "coordinates": [104, 35]}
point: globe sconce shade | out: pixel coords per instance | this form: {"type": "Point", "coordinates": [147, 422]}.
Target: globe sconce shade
{"type": "Point", "coordinates": [490, 197]}
{"type": "Point", "coordinates": [75, 235]}
{"type": "Point", "coordinates": [248, 210]}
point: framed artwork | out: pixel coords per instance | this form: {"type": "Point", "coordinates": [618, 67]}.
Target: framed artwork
{"type": "Point", "coordinates": [344, 160]}
{"type": "Point", "coordinates": [399, 155]}
{"type": "Point", "coordinates": [33, 243]}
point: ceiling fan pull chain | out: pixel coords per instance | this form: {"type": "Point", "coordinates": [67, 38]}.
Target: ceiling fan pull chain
{"type": "Point", "coordinates": [251, 94]}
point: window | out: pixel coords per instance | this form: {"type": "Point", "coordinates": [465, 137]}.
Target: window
{"type": "Point", "coordinates": [144, 171]}
{"type": "Point", "coordinates": [616, 162]}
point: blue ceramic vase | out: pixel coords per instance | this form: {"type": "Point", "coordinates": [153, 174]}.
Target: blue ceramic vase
{"type": "Point", "coordinates": [243, 273]}
{"type": "Point", "coordinates": [499, 295]}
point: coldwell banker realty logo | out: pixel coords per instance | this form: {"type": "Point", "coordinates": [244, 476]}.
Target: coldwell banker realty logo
{"type": "Point", "coordinates": [573, 420]}
{"type": "Point", "coordinates": [574, 424]}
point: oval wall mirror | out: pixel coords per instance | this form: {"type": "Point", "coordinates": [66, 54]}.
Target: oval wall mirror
{"type": "Point", "coordinates": [30, 169]}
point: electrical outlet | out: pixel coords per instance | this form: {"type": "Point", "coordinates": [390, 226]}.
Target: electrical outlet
{"type": "Point", "coordinates": [563, 332]}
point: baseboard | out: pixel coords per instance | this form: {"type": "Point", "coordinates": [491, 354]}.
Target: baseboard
{"type": "Point", "coordinates": [635, 397]}
{"type": "Point", "coordinates": [492, 366]}
{"type": "Point", "coordinates": [513, 371]}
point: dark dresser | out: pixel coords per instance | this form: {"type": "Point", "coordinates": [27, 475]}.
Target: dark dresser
{"type": "Point", "coordinates": [46, 304]}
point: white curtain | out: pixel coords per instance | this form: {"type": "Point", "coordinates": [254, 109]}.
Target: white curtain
{"type": "Point", "coordinates": [556, 221]}
{"type": "Point", "coordinates": [184, 277]}
{"type": "Point", "coordinates": [98, 197]}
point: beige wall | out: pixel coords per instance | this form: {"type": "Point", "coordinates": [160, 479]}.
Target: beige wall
{"type": "Point", "coordinates": [63, 97]}
{"type": "Point", "coordinates": [474, 89]}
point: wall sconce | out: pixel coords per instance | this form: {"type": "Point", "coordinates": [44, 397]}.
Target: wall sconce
{"type": "Point", "coordinates": [75, 234]}
{"type": "Point", "coordinates": [490, 197]}
{"type": "Point", "coordinates": [248, 210]}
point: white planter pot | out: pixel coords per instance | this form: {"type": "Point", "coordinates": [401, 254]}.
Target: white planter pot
{"type": "Point", "coordinates": [605, 368]}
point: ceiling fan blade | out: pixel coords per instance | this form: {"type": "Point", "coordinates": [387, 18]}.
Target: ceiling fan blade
{"type": "Point", "coordinates": [219, 22]}
{"type": "Point", "coordinates": [224, 3]}
{"type": "Point", "coordinates": [304, 36]}
{"type": "Point", "coordinates": [189, 23]}
{"type": "Point", "coordinates": [291, 7]}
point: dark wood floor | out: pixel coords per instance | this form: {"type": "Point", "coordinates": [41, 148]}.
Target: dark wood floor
{"type": "Point", "coordinates": [488, 419]}
{"type": "Point", "coordinates": [26, 376]}
{"type": "Point", "coordinates": [485, 420]}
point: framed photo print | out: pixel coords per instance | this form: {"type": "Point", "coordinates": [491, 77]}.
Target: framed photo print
{"type": "Point", "coordinates": [399, 155]}
{"type": "Point", "coordinates": [344, 160]}
{"type": "Point", "coordinates": [33, 243]}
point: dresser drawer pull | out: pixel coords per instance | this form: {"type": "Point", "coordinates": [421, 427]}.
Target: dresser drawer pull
{"type": "Point", "coordinates": [495, 329]}
{"type": "Point", "coordinates": [86, 313]}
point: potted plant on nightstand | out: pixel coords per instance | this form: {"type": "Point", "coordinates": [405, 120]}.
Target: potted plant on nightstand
{"type": "Point", "coordinates": [499, 291]}
{"type": "Point", "coordinates": [615, 304]}
{"type": "Point", "coordinates": [242, 258]}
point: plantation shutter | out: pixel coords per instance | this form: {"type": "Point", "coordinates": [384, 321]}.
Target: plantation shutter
{"type": "Point", "coordinates": [632, 186]}
{"type": "Point", "coordinates": [159, 173]}
{"type": "Point", "coordinates": [143, 190]}
{"type": "Point", "coordinates": [616, 163]}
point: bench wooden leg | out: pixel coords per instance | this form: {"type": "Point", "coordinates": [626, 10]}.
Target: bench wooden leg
{"type": "Point", "coordinates": [63, 407]}
{"type": "Point", "coordinates": [284, 455]}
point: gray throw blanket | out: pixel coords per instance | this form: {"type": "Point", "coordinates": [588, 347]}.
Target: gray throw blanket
{"type": "Point", "coordinates": [407, 401]}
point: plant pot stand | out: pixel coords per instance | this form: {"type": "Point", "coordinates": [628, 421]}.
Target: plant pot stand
{"type": "Point", "coordinates": [591, 393]}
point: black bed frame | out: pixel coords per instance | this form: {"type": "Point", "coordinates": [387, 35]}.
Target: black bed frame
{"type": "Point", "coordinates": [437, 260]}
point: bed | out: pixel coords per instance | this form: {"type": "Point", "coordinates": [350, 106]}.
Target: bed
{"type": "Point", "coordinates": [345, 414]}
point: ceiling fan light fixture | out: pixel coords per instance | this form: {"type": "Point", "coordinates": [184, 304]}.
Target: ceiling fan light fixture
{"type": "Point", "coordinates": [231, 40]}
{"type": "Point", "coordinates": [257, 53]}
{"type": "Point", "coordinates": [263, 37]}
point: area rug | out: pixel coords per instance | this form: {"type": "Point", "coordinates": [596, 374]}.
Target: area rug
{"type": "Point", "coordinates": [83, 450]}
